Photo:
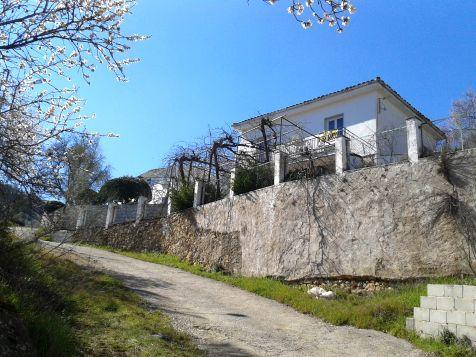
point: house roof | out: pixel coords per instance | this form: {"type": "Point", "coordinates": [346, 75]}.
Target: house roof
{"type": "Point", "coordinates": [376, 80]}
{"type": "Point", "coordinates": [155, 173]}
{"type": "Point", "coordinates": [164, 173]}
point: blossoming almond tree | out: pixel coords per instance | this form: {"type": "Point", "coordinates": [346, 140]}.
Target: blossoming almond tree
{"type": "Point", "coordinates": [44, 43]}
{"type": "Point", "coordinates": [332, 12]}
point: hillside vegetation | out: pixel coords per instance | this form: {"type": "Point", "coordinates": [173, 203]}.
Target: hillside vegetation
{"type": "Point", "coordinates": [70, 311]}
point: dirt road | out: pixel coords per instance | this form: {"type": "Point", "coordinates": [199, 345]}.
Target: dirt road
{"type": "Point", "coordinates": [227, 321]}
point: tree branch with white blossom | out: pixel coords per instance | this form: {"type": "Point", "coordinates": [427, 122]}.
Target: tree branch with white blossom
{"type": "Point", "coordinates": [334, 13]}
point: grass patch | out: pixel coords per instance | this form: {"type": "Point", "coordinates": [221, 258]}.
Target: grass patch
{"type": "Point", "coordinates": [383, 311]}
{"type": "Point", "coordinates": [70, 311]}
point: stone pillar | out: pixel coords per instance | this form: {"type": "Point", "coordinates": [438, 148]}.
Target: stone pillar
{"type": "Point", "coordinates": [280, 159]}
{"type": "Point", "coordinates": [169, 206]}
{"type": "Point", "coordinates": [81, 220]}
{"type": "Point", "coordinates": [111, 208]}
{"type": "Point", "coordinates": [198, 193]}
{"type": "Point", "coordinates": [414, 144]}
{"type": "Point", "coordinates": [141, 202]}
{"type": "Point", "coordinates": [232, 181]}
{"type": "Point", "coordinates": [342, 154]}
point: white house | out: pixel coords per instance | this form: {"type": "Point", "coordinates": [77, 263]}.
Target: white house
{"type": "Point", "coordinates": [158, 180]}
{"type": "Point", "coordinates": [376, 122]}
{"type": "Point", "coordinates": [161, 180]}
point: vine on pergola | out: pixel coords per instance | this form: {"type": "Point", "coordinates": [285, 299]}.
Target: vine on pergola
{"type": "Point", "coordinates": [334, 13]}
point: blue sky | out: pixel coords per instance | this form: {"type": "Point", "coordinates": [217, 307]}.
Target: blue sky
{"type": "Point", "coordinates": [213, 62]}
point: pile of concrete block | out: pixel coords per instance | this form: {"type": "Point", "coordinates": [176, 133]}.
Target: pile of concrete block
{"type": "Point", "coordinates": [450, 307]}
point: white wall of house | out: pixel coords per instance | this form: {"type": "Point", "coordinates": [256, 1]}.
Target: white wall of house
{"type": "Point", "coordinates": [159, 191]}
{"type": "Point", "coordinates": [359, 115]}
{"type": "Point", "coordinates": [374, 118]}
{"type": "Point", "coordinates": [391, 130]}
{"type": "Point", "coordinates": [358, 110]}
{"type": "Point", "coordinates": [429, 138]}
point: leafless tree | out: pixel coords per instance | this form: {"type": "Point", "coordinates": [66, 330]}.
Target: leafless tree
{"type": "Point", "coordinates": [463, 120]}
{"type": "Point", "coordinates": [210, 158]}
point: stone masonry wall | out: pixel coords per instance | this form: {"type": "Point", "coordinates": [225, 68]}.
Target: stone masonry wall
{"type": "Point", "coordinates": [450, 307]}
{"type": "Point", "coordinates": [392, 222]}
{"type": "Point", "coordinates": [177, 235]}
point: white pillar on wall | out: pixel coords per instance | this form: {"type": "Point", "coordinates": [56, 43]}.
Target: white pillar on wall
{"type": "Point", "coordinates": [280, 163]}
{"type": "Point", "coordinates": [111, 207]}
{"type": "Point", "coordinates": [414, 144]}
{"type": "Point", "coordinates": [81, 219]}
{"type": "Point", "coordinates": [198, 193]}
{"type": "Point", "coordinates": [342, 154]}
{"type": "Point", "coordinates": [169, 206]}
{"type": "Point", "coordinates": [232, 181]}
{"type": "Point", "coordinates": [141, 202]}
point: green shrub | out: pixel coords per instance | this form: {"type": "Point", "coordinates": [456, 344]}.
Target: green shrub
{"type": "Point", "coordinates": [305, 173]}
{"type": "Point", "coordinates": [252, 178]}
{"type": "Point", "coordinates": [211, 193]}
{"type": "Point", "coordinates": [124, 190]}
{"type": "Point", "coordinates": [182, 197]}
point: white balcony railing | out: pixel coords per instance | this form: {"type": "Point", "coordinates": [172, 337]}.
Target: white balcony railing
{"type": "Point", "coordinates": [311, 144]}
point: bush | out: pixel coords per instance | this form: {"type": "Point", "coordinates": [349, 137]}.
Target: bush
{"type": "Point", "coordinates": [252, 178]}
{"type": "Point", "coordinates": [51, 206]}
{"type": "Point", "coordinates": [182, 197]}
{"type": "Point", "coordinates": [306, 173]}
{"type": "Point", "coordinates": [124, 189]}
{"type": "Point", "coordinates": [211, 193]}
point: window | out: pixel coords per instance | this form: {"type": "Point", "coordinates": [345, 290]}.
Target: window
{"type": "Point", "coordinates": [335, 122]}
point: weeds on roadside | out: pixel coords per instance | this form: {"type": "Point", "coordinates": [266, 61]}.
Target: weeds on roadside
{"type": "Point", "coordinates": [69, 311]}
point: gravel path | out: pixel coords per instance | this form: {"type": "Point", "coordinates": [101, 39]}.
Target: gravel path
{"type": "Point", "coordinates": [227, 321]}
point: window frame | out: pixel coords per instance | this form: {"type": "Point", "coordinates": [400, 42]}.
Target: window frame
{"type": "Point", "coordinates": [334, 119]}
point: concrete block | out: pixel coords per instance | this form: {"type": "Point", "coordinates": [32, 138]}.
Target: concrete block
{"type": "Point", "coordinates": [445, 303]}
{"type": "Point", "coordinates": [454, 290]}
{"type": "Point", "coordinates": [450, 327]}
{"type": "Point", "coordinates": [469, 292]}
{"type": "Point", "coordinates": [470, 319]}
{"type": "Point", "coordinates": [429, 328]}
{"type": "Point", "coordinates": [410, 324]}
{"type": "Point", "coordinates": [436, 290]}
{"type": "Point", "coordinates": [464, 304]}
{"type": "Point", "coordinates": [421, 314]}
{"type": "Point", "coordinates": [467, 331]}
{"type": "Point", "coordinates": [438, 316]}
{"type": "Point", "coordinates": [428, 302]}
{"type": "Point", "coordinates": [456, 317]}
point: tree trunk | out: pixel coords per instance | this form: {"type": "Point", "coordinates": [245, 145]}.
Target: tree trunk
{"type": "Point", "coordinates": [217, 173]}
{"type": "Point", "coordinates": [265, 139]}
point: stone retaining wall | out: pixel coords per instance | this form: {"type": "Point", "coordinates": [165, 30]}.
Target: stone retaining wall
{"type": "Point", "coordinates": [393, 222]}
{"type": "Point", "coordinates": [447, 307]}
{"type": "Point", "coordinates": [177, 235]}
